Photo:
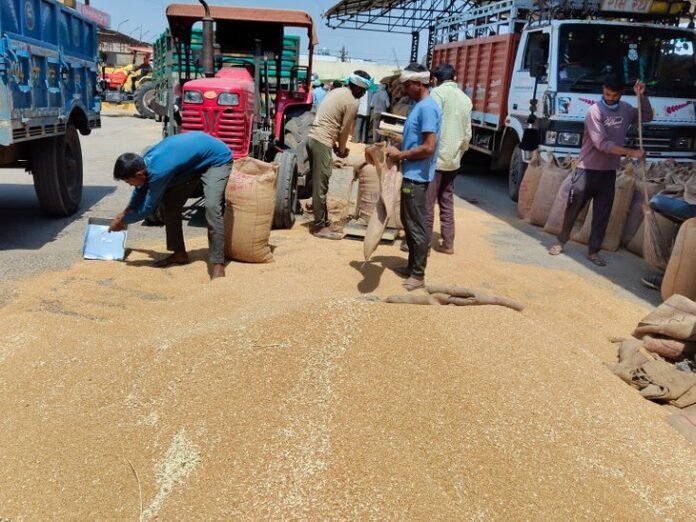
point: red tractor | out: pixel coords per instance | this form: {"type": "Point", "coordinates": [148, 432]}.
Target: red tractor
{"type": "Point", "coordinates": [242, 84]}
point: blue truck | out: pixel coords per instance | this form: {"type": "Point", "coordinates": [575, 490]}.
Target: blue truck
{"type": "Point", "coordinates": [48, 94]}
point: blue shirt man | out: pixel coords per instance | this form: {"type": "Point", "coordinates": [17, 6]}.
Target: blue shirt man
{"type": "Point", "coordinates": [318, 93]}
{"type": "Point", "coordinates": [418, 155]}
{"type": "Point", "coordinates": [169, 173]}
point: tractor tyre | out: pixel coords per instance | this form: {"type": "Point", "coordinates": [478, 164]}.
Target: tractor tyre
{"type": "Point", "coordinates": [516, 173]}
{"type": "Point", "coordinates": [143, 97]}
{"type": "Point", "coordinates": [57, 170]}
{"type": "Point", "coordinates": [296, 134]}
{"type": "Point", "coordinates": [287, 203]}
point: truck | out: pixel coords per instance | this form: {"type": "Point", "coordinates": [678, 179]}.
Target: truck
{"type": "Point", "coordinates": [48, 96]}
{"type": "Point", "coordinates": [512, 56]}
{"type": "Point", "coordinates": [234, 73]}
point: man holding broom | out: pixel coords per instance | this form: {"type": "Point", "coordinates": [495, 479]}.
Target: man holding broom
{"type": "Point", "coordinates": [594, 178]}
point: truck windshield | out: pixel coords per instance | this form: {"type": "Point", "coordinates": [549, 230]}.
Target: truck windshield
{"type": "Point", "coordinates": [663, 58]}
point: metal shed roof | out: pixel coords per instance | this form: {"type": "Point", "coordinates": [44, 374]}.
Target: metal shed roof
{"type": "Point", "coordinates": [395, 16]}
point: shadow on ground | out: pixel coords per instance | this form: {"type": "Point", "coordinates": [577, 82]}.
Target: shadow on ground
{"type": "Point", "coordinates": [490, 189]}
{"type": "Point", "coordinates": [24, 224]}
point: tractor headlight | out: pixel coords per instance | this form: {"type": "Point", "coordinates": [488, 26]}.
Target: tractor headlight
{"type": "Point", "coordinates": [228, 98]}
{"type": "Point", "coordinates": [193, 97]}
{"type": "Point", "coordinates": [569, 138]}
{"type": "Point", "coordinates": [550, 137]}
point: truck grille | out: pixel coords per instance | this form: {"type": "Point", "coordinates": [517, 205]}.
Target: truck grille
{"type": "Point", "coordinates": [228, 126]}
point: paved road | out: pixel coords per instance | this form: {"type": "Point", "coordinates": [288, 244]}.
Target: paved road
{"type": "Point", "coordinates": [31, 243]}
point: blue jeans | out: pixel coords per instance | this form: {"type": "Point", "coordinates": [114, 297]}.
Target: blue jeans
{"type": "Point", "coordinates": [675, 209]}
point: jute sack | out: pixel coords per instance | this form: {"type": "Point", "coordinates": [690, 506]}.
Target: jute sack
{"type": "Point", "coordinates": [623, 194]}
{"type": "Point", "coordinates": [249, 204]}
{"type": "Point", "coordinates": [530, 182]}
{"type": "Point", "coordinates": [675, 318]}
{"type": "Point", "coordinates": [635, 209]}
{"type": "Point", "coordinates": [555, 222]}
{"type": "Point", "coordinates": [680, 276]}
{"type": "Point", "coordinates": [552, 177]}
{"type": "Point", "coordinates": [666, 231]}
{"type": "Point", "coordinates": [368, 190]}
{"type": "Point", "coordinates": [369, 193]}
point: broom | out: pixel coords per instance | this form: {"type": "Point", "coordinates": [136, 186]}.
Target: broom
{"type": "Point", "coordinates": [653, 242]}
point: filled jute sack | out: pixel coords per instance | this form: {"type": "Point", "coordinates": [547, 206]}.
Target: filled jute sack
{"type": "Point", "coordinates": [550, 183]}
{"type": "Point", "coordinates": [666, 231]}
{"type": "Point", "coordinates": [680, 276]}
{"type": "Point", "coordinates": [623, 194]}
{"type": "Point", "coordinates": [529, 185]}
{"type": "Point", "coordinates": [555, 221]}
{"type": "Point", "coordinates": [635, 209]}
{"type": "Point", "coordinates": [675, 318]}
{"type": "Point", "coordinates": [369, 191]}
{"type": "Point", "coordinates": [249, 203]}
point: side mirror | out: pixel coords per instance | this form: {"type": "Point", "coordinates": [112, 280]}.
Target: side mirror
{"type": "Point", "coordinates": [537, 63]}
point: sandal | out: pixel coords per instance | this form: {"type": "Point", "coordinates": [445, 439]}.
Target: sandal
{"type": "Point", "coordinates": [555, 250]}
{"type": "Point", "coordinates": [170, 261]}
{"type": "Point", "coordinates": [596, 260]}
{"type": "Point", "coordinates": [413, 283]}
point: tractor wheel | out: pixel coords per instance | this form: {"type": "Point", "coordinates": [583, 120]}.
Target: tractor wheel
{"type": "Point", "coordinates": [516, 173]}
{"type": "Point", "coordinates": [57, 170]}
{"type": "Point", "coordinates": [143, 97]}
{"type": "Point", "coordinates": [286, 204]}
{"type": "Point", "coordinates": [296, 133]}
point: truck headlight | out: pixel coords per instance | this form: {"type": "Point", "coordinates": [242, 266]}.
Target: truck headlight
{"type": "Point", "coordinates": [228, 98]}
{"type": "Point", "coordinates": [569, 138]}
{"type": "Point", "coordinates": [550, 137]}
{"type": "Point", "coordinates": [193, 97]}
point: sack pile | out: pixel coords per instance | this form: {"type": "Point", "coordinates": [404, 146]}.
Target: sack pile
{"type": "Point", "coordinates": [249, 205]}
{"type": "Point", "coordinates": [680, 276]}
{"type": "Point", "coordinates": [659, 359]}
{"type": "Point", "coordinates": [545, 187]}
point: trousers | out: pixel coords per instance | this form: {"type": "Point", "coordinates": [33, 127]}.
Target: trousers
{"type": "Point", "coordinates": [214, 181]}
{"type": "Point", "coordinates": [320, 165]}
{"type": "Point", "coordinates": [414, 217]}
{"type": "Point", "coordinates": [592, 185]}
{"type": "Point", "coordinates": [441, 191]}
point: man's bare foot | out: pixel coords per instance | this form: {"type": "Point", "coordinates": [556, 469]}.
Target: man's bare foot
{"type": "Point", "coordinates": [556, 249]}
{"type": "Point", "coordinates": [218, 271]}
{"type": "Point", "coordinates": [177, 258]}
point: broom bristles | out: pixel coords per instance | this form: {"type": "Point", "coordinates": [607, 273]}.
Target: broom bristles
{"type": "Point", "coordinates": [653, 243]}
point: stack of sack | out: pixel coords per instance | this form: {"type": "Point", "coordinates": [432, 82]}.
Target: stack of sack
{"type": "Point", "coordinates": [659, 359]}
{"type": "Point", "coordinates": [544, 193]}
{"type": "Point", "coordinates": [680, 275]}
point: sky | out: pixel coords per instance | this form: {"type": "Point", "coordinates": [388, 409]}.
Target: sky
{"type": "Point", "coordinates": [129, 15]}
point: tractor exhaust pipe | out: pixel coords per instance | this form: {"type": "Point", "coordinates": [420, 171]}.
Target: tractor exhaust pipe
{"type": "Point", "coordinates": [208, 67]}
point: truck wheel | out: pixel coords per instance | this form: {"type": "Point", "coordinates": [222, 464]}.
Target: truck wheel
{"type": "Point", "coordinates": [286, 192]}
{"type": "Point", "coordinates": [516, 173]}
{"type": "Point", "coordinates": [143, 97]}
{"type": "Point", "coordinates": [57, 170]}
{"type": "Point", "coordinates": [296, 134]}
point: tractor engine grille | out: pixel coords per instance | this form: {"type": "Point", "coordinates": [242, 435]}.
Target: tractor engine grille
{"type": "Point", "coordinates": [226, 125]}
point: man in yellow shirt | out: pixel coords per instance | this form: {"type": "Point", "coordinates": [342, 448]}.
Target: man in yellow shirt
{"type": "Point", "coordinates": [454, 142]}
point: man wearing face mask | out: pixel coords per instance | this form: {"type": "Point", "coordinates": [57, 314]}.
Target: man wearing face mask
{"type": "Point", "coordinates": [594, 179]}
{"type": "Point", "coordinates": [330, 131]}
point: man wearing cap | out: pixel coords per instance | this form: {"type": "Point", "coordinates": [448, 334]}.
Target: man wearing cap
{"type": "Point", "coordinates": [418, 155]}
{"type": "Point", "coordinates": [330, 131]}
{"type": "Point", "coordinates": [318, 93]}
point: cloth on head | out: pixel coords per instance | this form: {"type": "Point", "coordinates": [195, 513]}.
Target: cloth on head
{"type": "Point", "coordinates": [415, 76]}
{"type": "Point", "coordinates": [358, 80]}
{"type": "Point", "coordinates": [316, 83]}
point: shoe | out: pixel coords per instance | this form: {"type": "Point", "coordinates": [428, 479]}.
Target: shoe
{"type": "Point", "coordinates": [413, 283]}
{"type": "Point", "coordinates": [327, 233]}
{"type": "Point", "coordinates": [556, 249]}
{"type": "Point", "coordinates": [653, 281]}
{"type": "Point", "coordinates": [172, 260]}
{"type": "Point", "coordinates": [596, 260]}
{"type": "Point", "coordinates": [443, 249]}
{"type": "Point", "coordinates": [403, 271]}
